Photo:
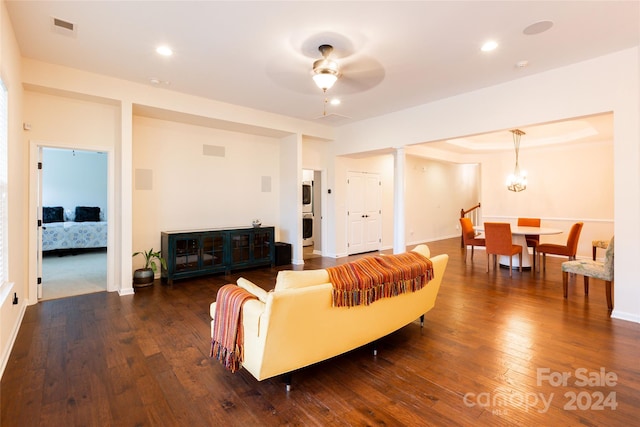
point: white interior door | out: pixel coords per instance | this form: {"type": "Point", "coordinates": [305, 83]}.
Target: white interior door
{"type": "Point", "coordinates": [363, 212]}
{"type": "Point", "coordinates": [372, 212]}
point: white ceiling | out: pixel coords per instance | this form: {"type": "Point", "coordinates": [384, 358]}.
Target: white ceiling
{"type": "Point", "coordinates": [393, 55]}
{"type": "Point", "coordinates": [597, 128]}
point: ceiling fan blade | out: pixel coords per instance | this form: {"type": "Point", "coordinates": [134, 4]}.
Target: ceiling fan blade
{"type": "Point", "coordinates": [297, 78]}
{"type": "Point", "coordinates": [359, 74]}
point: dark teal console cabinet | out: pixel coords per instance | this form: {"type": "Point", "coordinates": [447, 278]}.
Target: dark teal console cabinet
{"type": "Point", "coordinates": [198, 252]}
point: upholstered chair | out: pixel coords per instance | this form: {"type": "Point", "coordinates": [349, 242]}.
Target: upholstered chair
{"type": "Point", "coordinates": [532, 239]}
{"type": "Point", "coordinates": [469, 237]}
{"type": "Point", "coordinates": [569, 250]}
{"type": "Point", "coordinates": [595, 244]}
{"type": "Point", "coordinates": [499, 242]}
{"type": "Point", "coordinates": [590, 268]}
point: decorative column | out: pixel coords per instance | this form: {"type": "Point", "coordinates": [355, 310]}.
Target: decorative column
{"type": "Point", "coordinates": [124, 202]}
{"type": "Point", "coordinates": [399, 238]}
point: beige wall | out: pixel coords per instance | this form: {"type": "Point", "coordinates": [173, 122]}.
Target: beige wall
{"type": "Point", "coordinates": [435, 193]}
{"type": "Point", "coordinates": [64, 121]}
{"type": "Point", "coordinates": [191, 190]}
{"type": "Point", "coordinates": [18, 202]}
{"type": "Point", "coordinates": [566, 184]}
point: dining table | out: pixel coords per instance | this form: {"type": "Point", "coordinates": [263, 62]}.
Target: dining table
{"type": "Point", "coordinates": [518, 233]}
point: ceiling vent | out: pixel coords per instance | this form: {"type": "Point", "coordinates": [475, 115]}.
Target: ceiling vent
{"type": "Point", "coordinates": [63, 27]}
{"type": "Point", "coordinates": [334, 119]}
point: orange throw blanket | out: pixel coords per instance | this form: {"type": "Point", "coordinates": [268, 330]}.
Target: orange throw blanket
{"type": "Point", "coordinates": [227, 344]}
{"type": "Point", "coordinates": [368, 279]}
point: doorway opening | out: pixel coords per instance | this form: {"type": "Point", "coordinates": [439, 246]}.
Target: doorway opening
{"type": "Point", "coordinates": [72, 242]}
{"type": "Point", "coordinates": [311, 213]}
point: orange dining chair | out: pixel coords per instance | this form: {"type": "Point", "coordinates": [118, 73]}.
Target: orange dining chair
{"type": "Point", "coordinates": [469, 237]}
{"type": "Point", "coordinates": [591, 268]}
{"type": "Point", "coordinates": [568, 250]}
{"type": "Point", "coordinates": [499, 242]}
{"type": "Point", "coordinates": [533, 240]}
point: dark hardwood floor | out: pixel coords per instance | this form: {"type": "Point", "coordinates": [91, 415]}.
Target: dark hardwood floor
{"type": "Point", "coordinates": [492, 352]}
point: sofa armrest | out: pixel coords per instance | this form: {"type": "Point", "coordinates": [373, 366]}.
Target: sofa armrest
{"type": "Point", "coordinates": [251, 312]}
{"type": "Point", "coordinates": [422, 250]}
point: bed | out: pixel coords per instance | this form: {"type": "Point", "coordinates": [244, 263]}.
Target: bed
{"type": "Point", "coordinates": [82, 228]}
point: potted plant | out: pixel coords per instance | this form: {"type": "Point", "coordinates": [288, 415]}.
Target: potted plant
{"type": "Point", "coordinates": [144, 276]}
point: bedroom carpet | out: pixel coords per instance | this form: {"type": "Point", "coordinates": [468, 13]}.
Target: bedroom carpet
{"type": "Point", "coordinates": [72, 275]}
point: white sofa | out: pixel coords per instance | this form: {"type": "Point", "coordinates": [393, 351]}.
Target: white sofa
{"type": "Point", "coordinates": [295, 325]}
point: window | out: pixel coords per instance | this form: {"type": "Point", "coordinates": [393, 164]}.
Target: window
{"type": "Point", "coordinates": [4, 187]}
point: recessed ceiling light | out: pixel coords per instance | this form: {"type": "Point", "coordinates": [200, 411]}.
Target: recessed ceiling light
{"type": "Point", "coordinates": [157, 82]}
{"type": "Point", "coordinates": [335, 101]}
{"type": "Point", "coordinates": [164, 50]}
{"type": "Point", "coordinates": [489, 45]}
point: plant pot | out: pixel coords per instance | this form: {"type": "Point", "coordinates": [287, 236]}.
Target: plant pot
{"type": "Point", "coordinates": [143, 277]}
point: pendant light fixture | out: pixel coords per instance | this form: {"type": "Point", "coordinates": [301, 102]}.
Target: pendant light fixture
{"type": "Point", "coordinates": [518, 180]}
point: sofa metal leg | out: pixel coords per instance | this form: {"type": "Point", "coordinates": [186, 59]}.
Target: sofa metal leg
{"type": "Point", "coordinates": [422, 321]}
{"type": "Point", "coordinates": [287, 381]}
{"type": "Point", "coordinates": [375, 347]}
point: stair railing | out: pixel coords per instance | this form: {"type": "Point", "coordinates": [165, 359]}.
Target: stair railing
{"type": "Point", "coordinates": [474, 214]}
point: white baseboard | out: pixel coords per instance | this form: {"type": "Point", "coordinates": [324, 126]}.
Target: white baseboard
{"type": "Point", "coordinates": [126, 291]}
{"type": "Point", "coordinates": [6, 352]}
{"type": "Point", "coordinates": [616, 314]}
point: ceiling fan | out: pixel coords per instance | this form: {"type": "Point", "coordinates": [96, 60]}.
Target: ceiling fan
{"type": "Point", "coordinates": [350, 69]}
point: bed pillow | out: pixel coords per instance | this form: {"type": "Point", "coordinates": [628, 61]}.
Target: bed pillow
{"type": "Point", "coordinates": [87, 213]}
{"type": "Point", "coordinates": [52, 214]}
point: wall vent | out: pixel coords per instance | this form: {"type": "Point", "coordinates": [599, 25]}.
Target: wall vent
{"type": "Point", "coordinates": [63, 27]}
{"type": "Point", "coordinates": [213, 150]}
{"type": "Point", "coordinates": [144, 179]}
{"type": "Point", "coordinates": [265, 183]}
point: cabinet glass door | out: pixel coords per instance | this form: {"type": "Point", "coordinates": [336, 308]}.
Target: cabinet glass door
{"type": "Point", "coordinates": [240, 248]}
{"type": "Point", "coordinates": [261, 245]}
{"type": "Point", "coordinates": [187, 254]}
{"type": "Point", "coordinates": [212, 250]}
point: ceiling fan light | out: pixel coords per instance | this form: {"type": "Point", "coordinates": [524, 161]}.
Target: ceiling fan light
{"type": "Point", "coordinates": [324, 80]}
{"type": "Point", "coordinates": [325, 70]}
